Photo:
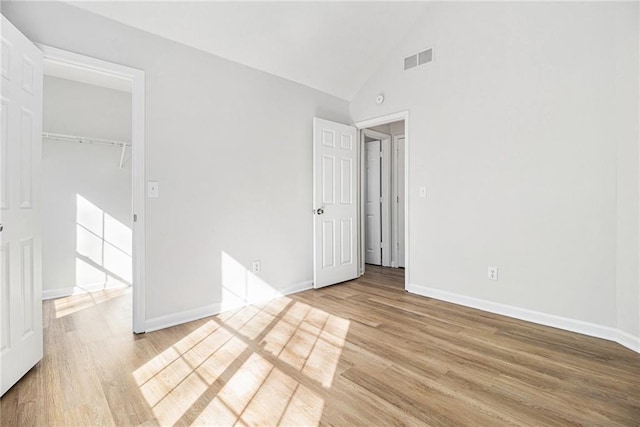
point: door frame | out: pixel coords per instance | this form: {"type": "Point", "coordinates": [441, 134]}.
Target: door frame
{"type": "Point", "coordinates": [137, 79]}
{"type": "Point", "coordinates": [383, 120]}
{"type": "Point", "coordinates": [385, 192]}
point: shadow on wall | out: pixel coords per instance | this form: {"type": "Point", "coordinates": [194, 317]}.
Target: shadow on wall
{"type": "Point", "coordinates": [103, 249]}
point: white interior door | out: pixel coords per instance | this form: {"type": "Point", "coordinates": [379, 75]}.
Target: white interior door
{"type": "Point", "coordinates": [335, 151]}
{"type": "Point", "coordinates": [372, 203]}
{"type": "Point", "coordinates": [20, 261]}
{"type": "Point", "coordinates": [400, 199]}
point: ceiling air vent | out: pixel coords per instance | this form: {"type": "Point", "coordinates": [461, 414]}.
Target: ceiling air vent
{"type": "Point", "coordinates": [420, 58]}
{"type": "Point", "coordinates": [411, 61]}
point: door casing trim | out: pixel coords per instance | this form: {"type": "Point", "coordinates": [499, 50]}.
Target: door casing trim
{"type": "Point", "coordinates": [137, 79]}
{"type": "Point", "coordinates": [383, 120]}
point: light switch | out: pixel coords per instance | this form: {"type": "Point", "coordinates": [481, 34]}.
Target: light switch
{"type": "Point", "coordinates": [152, 189]}
{"type": "Point", "coordinates": [423, 192]}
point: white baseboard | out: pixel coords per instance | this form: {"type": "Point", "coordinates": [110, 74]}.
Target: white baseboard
{"type": "Point", "coordinates": [57, 293]}
{"type": "Point", "coordinates": [185, 316]}
{"type": "Point", "coordinates": [74, 290]}
{"type": "Point", "coordinates": [190, 315]}
{"type": "Point", "coordinates": [538, 317]}
{"type": "Point", "coordinates": [299, 287]}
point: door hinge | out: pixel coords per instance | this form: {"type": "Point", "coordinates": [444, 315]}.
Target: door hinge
{"type": "Point", "coordinates": [381, 246]}
{"type": "Point", "coordinates": [397, 199]}
{"type": "Point", "coordinates": [135, 218]}
{"type": "Point", "coordinates": [380, 154]}
{"type": "Point", "coordinates": [380, 199]}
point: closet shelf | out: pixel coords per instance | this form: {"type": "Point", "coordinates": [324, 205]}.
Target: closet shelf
{"type": "Point", "coordinates": [88, 140]}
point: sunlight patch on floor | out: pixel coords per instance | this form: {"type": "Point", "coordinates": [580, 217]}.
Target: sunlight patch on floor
{"type": "Point", "coordinates": [224, 372]}
{"type": "Point", "coordinates": [82, 300]}
{"type": "Point", "coordinates": [259, 394]}
{"type": "Point", "coordinates": [310, 340]}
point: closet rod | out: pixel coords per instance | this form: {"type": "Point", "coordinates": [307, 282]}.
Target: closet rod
{"type": "Point", "coordinates": [83, 139]}
{"type": "Point", "coordinates": [87, 140]}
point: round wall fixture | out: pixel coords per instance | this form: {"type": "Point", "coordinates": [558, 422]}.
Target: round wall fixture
{"type": "Point", "coordinates": [380, 99]}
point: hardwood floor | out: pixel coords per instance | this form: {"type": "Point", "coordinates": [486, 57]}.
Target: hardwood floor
{"type": "Point", "coordinates": [360, 353]}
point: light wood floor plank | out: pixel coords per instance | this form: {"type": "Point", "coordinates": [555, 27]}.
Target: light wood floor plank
{"type": "Point", "coordinates": [360, 353]}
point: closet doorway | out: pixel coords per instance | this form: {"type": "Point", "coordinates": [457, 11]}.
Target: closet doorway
{"type": "Point", "coordinates": [87, 237]}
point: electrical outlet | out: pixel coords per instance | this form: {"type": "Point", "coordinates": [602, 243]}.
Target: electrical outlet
{"type": "Point", "coordinates": [492, 273]}
{"type": "Point", "coordinates": [255, 266]}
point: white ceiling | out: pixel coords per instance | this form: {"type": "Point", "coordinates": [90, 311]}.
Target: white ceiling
{"type": "Point", "coordinates": [330, 46]}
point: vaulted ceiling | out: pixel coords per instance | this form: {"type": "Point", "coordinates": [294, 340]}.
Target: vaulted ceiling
{"type": "Point", "coordinates": [330, 46]}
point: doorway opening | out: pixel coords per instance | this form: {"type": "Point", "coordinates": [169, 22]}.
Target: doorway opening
{"type": "Point", "coordinates": [93, 180]}
{"type": "Point", "coordinates": [383, 159]}
{"type": "Point", "coordinates": [86, 186]}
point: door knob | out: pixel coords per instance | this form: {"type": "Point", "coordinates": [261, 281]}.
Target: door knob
{"type": "Point", "coordinates": [319, 211]}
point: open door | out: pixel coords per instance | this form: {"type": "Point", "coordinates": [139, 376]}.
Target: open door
{"type": "Point", "coordinates": [335, 224]}
{"type": "Point", "coordinates": [20, 260]}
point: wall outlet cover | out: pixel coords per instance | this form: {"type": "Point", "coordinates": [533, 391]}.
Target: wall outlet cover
{"type": "Point", "coordinates": [255, 266]}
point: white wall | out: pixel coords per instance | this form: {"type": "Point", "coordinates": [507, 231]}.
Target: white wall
{"type": "Point", "coordinates": [525, 131]}
{"type": "Point", "coordinates": [628, 178]}
{"type": "Point", "coordinates": [231, 148]}
{"type": "Point", "coordinates": [86, 197]}
{"type": "Point", "coordinates": [87, 110]}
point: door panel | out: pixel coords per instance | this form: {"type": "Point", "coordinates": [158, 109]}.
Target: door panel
{"type": "Point", "coordinates": [346, 239]}
{"type": "Point", "coordinates": [400, 201]}
{"type": "Point", "coordinates": [335, 207]}
{"type": "Point", "coordinates": [20, 263]}
{"type": "Point", "coordinates": [373, 214]}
